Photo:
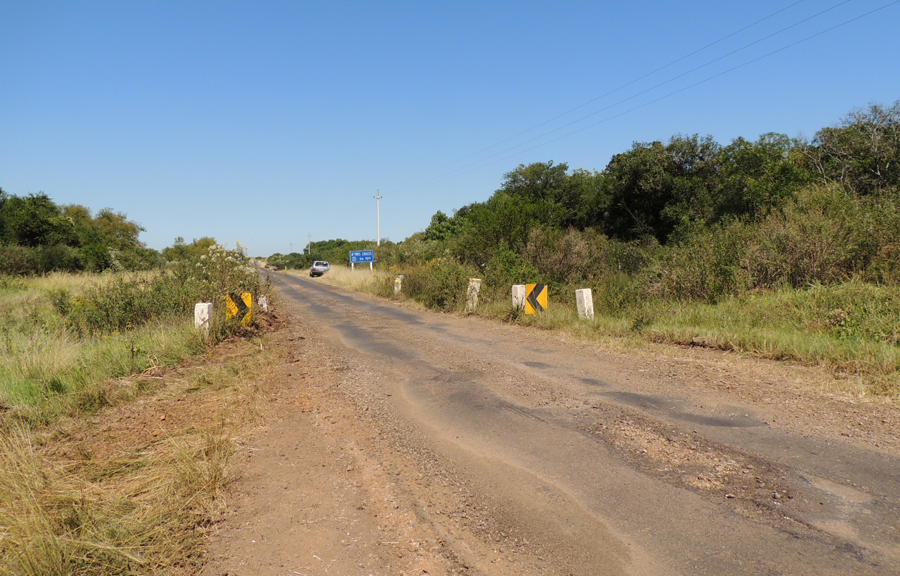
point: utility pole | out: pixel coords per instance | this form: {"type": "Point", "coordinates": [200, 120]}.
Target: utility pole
{"type": "Point", "coordinates": [378, 212]}
{"type": "Point", "coordinates": [292, 248]}
{"type": "Point", "coordinates": [309, 245]}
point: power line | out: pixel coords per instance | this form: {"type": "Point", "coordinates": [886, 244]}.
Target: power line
{"type": "Point", "coordinates": [705, 80]}
{"type": "Point", "coordinates": [613, 91]}
{"type": "Point", "coordinates": [623, 100]}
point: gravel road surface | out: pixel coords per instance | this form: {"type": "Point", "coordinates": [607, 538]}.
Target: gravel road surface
{"type": "Point", "coordinates": [399, 441]}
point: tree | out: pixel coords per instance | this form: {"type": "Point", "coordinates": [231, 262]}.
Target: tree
{"type": "Point", "coordinates": [442, 227]}
{"type": "Point", "coordinates": [590, 198]}
{"type": "Point", "coordinates": [755, 177]}
{"type": "Point", "coordinates": [863, 153]}
{"type": "Point", "coordinates": [669, 190]}
{"type": "Point", "coordinates": [180, 251]}
{"type": "Point", "coordinates": [546, 186]}
{"type": "Point", "coordinates": [639, 188]}
{"type": "Point", "coordinates": [693, 168]}
{"type": "Point", "coordinates": [537, 181]}
{"type": "Point", "coordinates": [3, 198]}
{"type": "Point", "coordinates": [34, 221]}
{"type": "Point", "coordinates": [117, 231]}
{"type": "Point", "coordinates": [503, 222]}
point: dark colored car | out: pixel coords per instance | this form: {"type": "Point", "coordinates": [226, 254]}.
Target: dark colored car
{"type": "Point", "coordinates": [319, 267]}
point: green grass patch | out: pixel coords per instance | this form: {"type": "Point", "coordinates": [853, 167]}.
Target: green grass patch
{"type": "Point", "coordinates": [852, 327]}
{"type": "Point", "coordinates": [63, 337]}
{"type": "Point", "coordinates": [49, 366]}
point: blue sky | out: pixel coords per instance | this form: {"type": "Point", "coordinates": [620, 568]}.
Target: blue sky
{"type": "Point", "coordinates": [266, 122]}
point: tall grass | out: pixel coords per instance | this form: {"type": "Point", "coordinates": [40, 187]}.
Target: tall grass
{"type": "Point", "coordinates": [62, 337]}
{"type": "Point", "coordinates": [852, 327]}
{"type": "Point", "coordinates": [64, 342]}
{"type": "Point", "coordinates": [43, 376]}
{"type": "Point", "coordinates": [360, 279]}
{"type": "Point", "coordinates": [55, 361]}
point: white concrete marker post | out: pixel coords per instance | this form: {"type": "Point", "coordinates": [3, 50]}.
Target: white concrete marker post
{"type": "Point", "coordinates": [263, 303]}
{"type": "Point", "coordinates": [398, 284]}
{"type": "Point", "coordinates": [472, 294]}
{"type": "Point", "coordinates": [518, 296]}
{"type": "Point", "coordinates": [585, 302]}
{"type": "Point", "coordinates": [203, 312]}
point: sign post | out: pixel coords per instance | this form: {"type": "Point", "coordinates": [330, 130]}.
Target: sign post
{"type": "Point", "coordinates": [361, 256]}
{"type": "Point", "coordinates": [535, 298]}
{"type": "Point", "coordinates": [518, 296]}
{"type": "Point", "coordinates": [472, 294]}
{"type": "Point", "coordinates": [584, 302]}
{"type": "Point", "coordinates": [240, 306]}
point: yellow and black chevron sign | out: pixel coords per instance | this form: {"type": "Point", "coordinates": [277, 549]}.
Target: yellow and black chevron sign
{"type": "Point", "coordinates": [535, 298]}
{"type": "Point", "coordinates": [240, 306]}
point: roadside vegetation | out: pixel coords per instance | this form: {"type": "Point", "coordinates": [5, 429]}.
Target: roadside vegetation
{"type": "Point", "coordinates": [360, 279]}
{"type": "Point", "coordinates": [337, 250]}
{"type": "Point", "coordinates": [64, 336]}
{"type": "Point", "coordinates": [74, 346]}
{"type": "Point", "coordinates": [781, 247]}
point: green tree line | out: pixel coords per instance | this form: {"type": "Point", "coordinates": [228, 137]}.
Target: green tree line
{"type": "Point", "coordinates": [335, 251]}
{"type": "Point", "coordinates": [689, 218]}
{"type": "Point", "coordinates": [38, 236]}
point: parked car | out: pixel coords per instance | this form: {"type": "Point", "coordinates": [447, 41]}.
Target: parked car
{"type": "Point", "coordinates": [319, 267]}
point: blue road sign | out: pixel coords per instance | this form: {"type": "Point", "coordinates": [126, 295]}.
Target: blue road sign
{"type": "Point", "coordinates": [362, 256]}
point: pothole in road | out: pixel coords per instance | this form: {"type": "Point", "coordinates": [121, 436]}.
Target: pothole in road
{"type": "Point", "coordinates": [687, 459]}
{"type": "Point", "coordinates": [751, 486]}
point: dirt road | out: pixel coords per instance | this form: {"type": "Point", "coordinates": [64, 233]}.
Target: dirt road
{"type": "Point", "coordinates": [407, 442]}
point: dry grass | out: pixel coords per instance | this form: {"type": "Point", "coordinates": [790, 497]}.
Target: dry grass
{"type": "Point", "coordinates": [86, 492]}
{"type": "Point", "coordinates": [138, 514]}
{"type": "Point", "coordinates": [361, 279]}
{"type": "Point", "coordinates": [14, 290]}
{"type": "Point", "coordinates": [121, 494]}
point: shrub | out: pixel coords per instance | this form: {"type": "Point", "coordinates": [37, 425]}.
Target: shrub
{"type": "Point", "coordinates": [826, 235]}
{"type": "Point", "coordinates": [567, 256]}
{"type": "Point", "coordinates": [707, 267]}
{"type": "Point", "coordinates": [507, 268]}
{"type": "Point", "coordinates": [616, 293]}
{"type": "Point", "coordinates": [29, 260]}
{"type": "Point", "coordinates": [439, 284]}
{"type": "Point", "coordinates": [125, 303]}
{"type": "Point", "coordinates": [290, 261]}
